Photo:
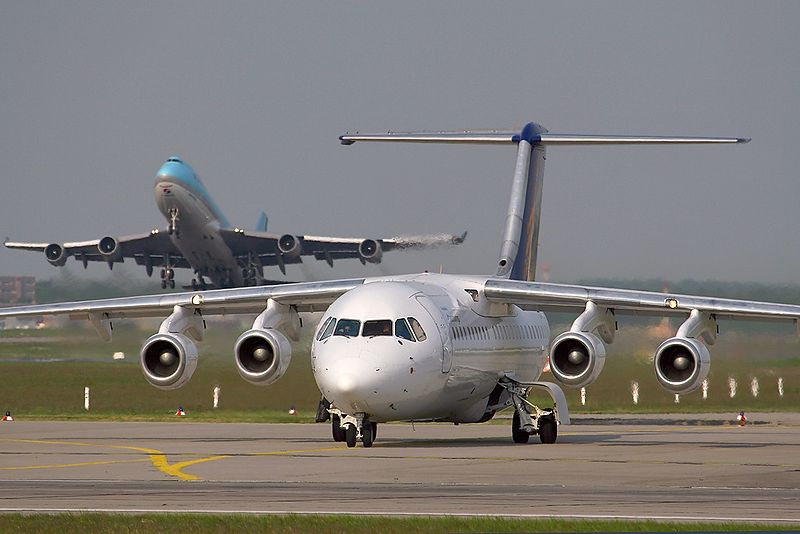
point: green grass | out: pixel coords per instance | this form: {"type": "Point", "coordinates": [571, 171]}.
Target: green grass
{"type": "Point", "coordinates": [34, 388]}
{"type": "Point", "coordinates": [352, 524]}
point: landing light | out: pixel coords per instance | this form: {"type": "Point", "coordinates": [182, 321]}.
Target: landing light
{"type": "Point", "coordinates": [671, 303]}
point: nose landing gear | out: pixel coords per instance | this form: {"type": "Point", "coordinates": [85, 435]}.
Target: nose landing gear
{"type": "Point", "coordinates": [529, 419]}
{"type": "Point", "coordinates": [352, 428]}
{"type": "Point", "coordinates": [173, 222]}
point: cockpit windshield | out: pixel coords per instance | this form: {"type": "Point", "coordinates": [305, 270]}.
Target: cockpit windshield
{"type": "Point", "coordinates": [347, 328]}
{"type": "Point", "coordinates": [418, 331]}
{"type": "Point", "coordinates": [402, 330]}
{"type": "Point", "coordinates": [381, 327]}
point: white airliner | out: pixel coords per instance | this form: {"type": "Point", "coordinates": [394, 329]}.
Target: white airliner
{"type": "Point", "coordinates": [199, 237]}
{"type": "Point", "coordinates": [437, 347]}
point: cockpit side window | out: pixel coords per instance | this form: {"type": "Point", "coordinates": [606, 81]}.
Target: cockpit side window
{"type": "Point", "coordinates": [402, 330]}
{"type": "Point", "coordinates": [417, 328]}
{"type": "Point", "coordinates": [380, 327]}
{"type": "Point", "coordinates": [347, 328]}
{"type": "Point", "coordinates": [326, 329]}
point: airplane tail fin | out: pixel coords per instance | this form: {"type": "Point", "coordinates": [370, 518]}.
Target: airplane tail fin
{"type": "Point", "coordinates": [518, 250]}
{"type": "Point", "coordinates": [261, 225]}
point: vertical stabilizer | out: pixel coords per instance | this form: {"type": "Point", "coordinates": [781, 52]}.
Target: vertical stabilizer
{"type": "Point", "coordinates": [521, 232]}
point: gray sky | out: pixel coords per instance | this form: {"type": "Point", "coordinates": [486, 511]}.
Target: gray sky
{"type": "Point", "coordinates": [94, 96]}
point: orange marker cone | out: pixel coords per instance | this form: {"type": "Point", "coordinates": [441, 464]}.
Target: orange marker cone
{"type": "Point", "coordinates": [180, 412]}
{"type": "Point", "coordinates": [7, 416]}
{"type": "Point", "coordinates": [741, 418]}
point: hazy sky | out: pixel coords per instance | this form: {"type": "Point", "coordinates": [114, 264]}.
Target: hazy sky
{"type": "Point", "coordinates": [94, 96]}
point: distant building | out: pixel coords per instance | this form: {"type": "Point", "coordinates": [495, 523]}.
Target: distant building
{"type": "Point", "coordinates": [17, 290]}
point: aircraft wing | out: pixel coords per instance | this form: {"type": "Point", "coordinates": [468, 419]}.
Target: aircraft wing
{"type": "Point", "coordinates": [561, 297]}
{"type": "Point", "coordinates": [276, 249]}
{"type": "Point", "coordinates": [303, 296]}
{"type": "Point", "coordinates": [151, 247]}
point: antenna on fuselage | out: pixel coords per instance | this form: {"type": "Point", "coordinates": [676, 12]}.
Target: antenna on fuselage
{"type": "Point", "coordinates": [518, 249]}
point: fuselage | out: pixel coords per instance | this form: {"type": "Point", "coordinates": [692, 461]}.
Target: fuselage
{"type": "Point", "coordinates": [445, 367]}
{"type": "Point", "coordinates": [185, 203]}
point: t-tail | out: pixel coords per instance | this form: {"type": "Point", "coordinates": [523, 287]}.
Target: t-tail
{"type": "Point", "coordinates": [518, 250]}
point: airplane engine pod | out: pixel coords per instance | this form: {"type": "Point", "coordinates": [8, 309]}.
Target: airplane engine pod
{"type": "Point", "coordinates": [681, 364]}
{"type": "Point", "coordinates": [576, 358]}
{"type": "Point", "coordinates": [370, 250]}
{"type": "Point", "coordinates": [290, 246]}
{"type": "Point", "coordinates": [109, 248]}
{"type": "Point", "coordinates": [262, 356]}
{"type": "Point", "coordinates": [55, 254]}
{"type": "Point", "coordinates": [168, 360]}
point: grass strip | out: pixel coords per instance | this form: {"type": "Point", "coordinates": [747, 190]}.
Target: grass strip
{"type": "Point", "coordinates": [220, 523]}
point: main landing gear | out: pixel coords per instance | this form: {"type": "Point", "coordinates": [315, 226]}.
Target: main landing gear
{"type": "Point", "coordinates": [168, 278]}
{"type": "Point", "coordinates": [352, 428]}
{"type": "Point", "coordinates": [529, 419]}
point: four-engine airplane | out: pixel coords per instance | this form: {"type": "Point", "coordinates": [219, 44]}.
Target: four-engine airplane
{"type": "Point", "coordinates": [437, 347]}
{"type": "Point", "coordinates": [199, 236]}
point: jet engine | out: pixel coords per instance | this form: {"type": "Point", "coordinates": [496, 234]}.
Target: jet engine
{"type": "Point", "coordinates": [168, 360]}
{"type": "Point", "coordinates": [370, 250]}
{"type": "Point", "coordinates": [109, 248]}
{"type": "Point", "coordinates": [262, 355]}
{"type": "Point", "coordinates": [55, 254]}
{"type": "Point", "coordinates": [576, 358]}
{"type": "Point", "coordinates": [290, 246]}
{"type": "Point", "coordinates": [681, 364]}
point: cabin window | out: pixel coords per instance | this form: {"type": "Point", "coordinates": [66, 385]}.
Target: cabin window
{"type": "Point", "coordinates": [417, 328]}
{"type": "Point", "coordinates": [402, 330]}
{"type": "Point", "coordinates": [380, 327]}
{"type": "Point", "coordinates": [347, 327]}
{"type": "Point", "coordinates": [326, 329]}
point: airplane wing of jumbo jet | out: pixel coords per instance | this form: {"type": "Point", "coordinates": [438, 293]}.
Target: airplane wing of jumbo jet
{"type": "Point", "coordinates": [280, 250]}
{"type": "Point", "coordinates": [149, 249]}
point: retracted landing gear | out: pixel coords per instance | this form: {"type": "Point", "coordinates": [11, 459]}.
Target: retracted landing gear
{"type": "Point", "coordinates": [529, 419]}
{"type": "Point", "coordinates": [352, 428]}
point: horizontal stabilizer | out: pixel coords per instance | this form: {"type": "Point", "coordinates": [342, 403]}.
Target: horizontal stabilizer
{"type": "Point", "coordinates": [508, 137]}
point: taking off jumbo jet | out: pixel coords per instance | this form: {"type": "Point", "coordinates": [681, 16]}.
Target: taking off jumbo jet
{"type": "Point", "coordinates": [438, 347]}
{"type": "Point", "coordinates": [199, 237]}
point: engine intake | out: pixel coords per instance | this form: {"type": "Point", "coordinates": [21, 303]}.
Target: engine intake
{"type": "Point", "coordinates": [262, 356]}
{"type": "Point", "coordinates": [370, 250]}
{"type": "Point", "coordinates": [681, 364]}
{"type": "Point", "coordinates": [55, 254]}
{"type": "Point", "coordinates": [168, 360]}
{"type": "Point", "coordinates": [576, 358]}
{"type": "Point", "coordinates": [109, 248]}
{"type": "Point", "coordinates": [290, 246]}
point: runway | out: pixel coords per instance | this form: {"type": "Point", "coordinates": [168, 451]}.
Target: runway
{"type": "Point", "coordinates": [607, 468]}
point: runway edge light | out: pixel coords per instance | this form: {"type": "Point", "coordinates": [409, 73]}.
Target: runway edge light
{"type": "Point", "coordinates": [180, 412]}
{"type": "Point", "coordinates": [7, 416]}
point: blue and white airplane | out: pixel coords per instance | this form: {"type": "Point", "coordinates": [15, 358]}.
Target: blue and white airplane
{"type": "Point", "coordinates": [199, 237]}
{"type": "Point", "coordinates": [437, 347]}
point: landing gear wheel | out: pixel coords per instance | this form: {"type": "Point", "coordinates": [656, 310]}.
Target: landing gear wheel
{"type": "Point", "coordinates": [374, 431]}
{"type": "Point", "coordinates": [163, 284]}
{"type": "Point", "coordinates": [172, 284]}
{"type": "Point", "coordinates": [367, 437]}
{"type": "Point", "coordinates": [350, 436]}
{"type": "Point", "coordinates": [548, 429]}
{"type": "Point", "coordinates": [517, 434]}
{"type": "Point", "coordinates": [336, 430]}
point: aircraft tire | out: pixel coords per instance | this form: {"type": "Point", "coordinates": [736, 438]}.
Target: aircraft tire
{"type": "Point", "coordinates": [337, 431]}
{"type": "Point", "coordinates": [516, 433]}
{"type": "Point", "coordinates": [350, 436]}
{"type": "Point", "coordinates": [367, 437]}
{"type": "Point", "coordinates": [163, 284]}
{"type": "Point", "coordinates": [374, 431]}
{"type": "Point", "coordinates": [172, 284]}
{"type": "Point", "coordinates": [548, 429]}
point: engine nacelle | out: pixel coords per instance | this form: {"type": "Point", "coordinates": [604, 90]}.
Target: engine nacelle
{"type": "Point", "coordinates": [109, 248]}
{"type": "Point", "coordinates": [370, 250]}
{"type": "Point", "coordinates": [681, 364]}
{"type": "Point", "coordinates": [55, 254]}
{"type": "Point", "coordinates": [290, 246]}
{"type": "Point", "coordinates": [262, 355]}
{"type": "Point", "coordinates": [576, 358]}
{"type": "Point", "coordinates": [168, 360]}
